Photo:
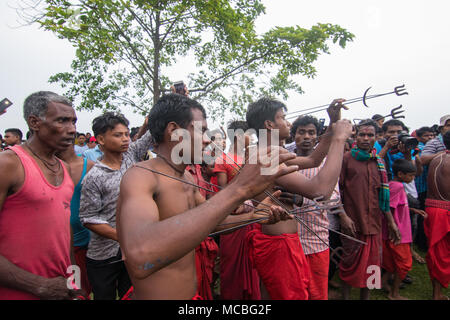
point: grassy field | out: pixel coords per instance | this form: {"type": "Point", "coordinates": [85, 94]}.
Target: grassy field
{"type": "Point", "coordinates": [420, 289]}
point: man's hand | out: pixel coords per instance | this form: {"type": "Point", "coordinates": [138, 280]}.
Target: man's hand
{"type": "Point", "coordinates": [289, 198]}
{"type": "Point", "coordinates": [394, 233]}
{"type": "Point", "coordinates": [392, 142]}
{"type": "Point", "coordinates": [334, 110]}
{"type": "Point", "coordinates": [419, 212]}
{"type": "Point", "coordinates": [342, 129]}
{"type": "Point", "coordinates": [347, 225]}
{"type": "Point", "coordinates": [276, 213]}
{"type": "Point", "coordinates": [246, 207]}
{"type": "Point", "coordinates": [56, 289]}
{"type": "Point", "coordinates": [261, 170]}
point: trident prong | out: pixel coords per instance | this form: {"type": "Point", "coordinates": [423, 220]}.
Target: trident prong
{"type": "Point", "coordinates": [400, 90]}
{"type": "Point", "coordinates": [395, 114]}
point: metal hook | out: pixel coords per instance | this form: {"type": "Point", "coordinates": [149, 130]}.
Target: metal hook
{"type": "Point", "coordinates": [399, 90]}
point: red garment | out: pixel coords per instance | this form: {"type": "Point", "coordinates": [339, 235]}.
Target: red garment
{"type": "Point", "coordinates": [319, 264]}
{"type": "Point", "coordinates": [437, 230]}
{"type": "Point", "coordinates": [35, 225]}
{"type": "Point", "coordinates": [197, 297]}
{"type": "Point", "coordinates": [238, 278]}
{"type": "Point", "coordinates": [397, 258]}
{"type": "Point", "coordinates": [196, 171]}
{"type": "Point", "coordinates": [281, 264]}
{"type": "Point", "coordinates": [205, 256]}
{"type": "Point", "coordinates": [356, 259]}
{"type": "Point", "coordinates": [128, 294]}
{"type": "Point", "coordinates": [80, 258]}
{"type": "Point", "coordinates": [227, 165]}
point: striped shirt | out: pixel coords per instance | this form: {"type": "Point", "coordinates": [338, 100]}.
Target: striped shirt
{"type": "Point", "coordinates": [317, 221]}
{"type": "Point", "coordinates": [434, 146]}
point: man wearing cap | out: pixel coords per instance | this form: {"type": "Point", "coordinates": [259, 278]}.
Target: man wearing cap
{"type": "Point", "coordinates": [94, 152]}
{"type": "Point", "coordinates": [436, 146]}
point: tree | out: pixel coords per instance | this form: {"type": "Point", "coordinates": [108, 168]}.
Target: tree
{"type": "Point", "coordinates": [123, 48]}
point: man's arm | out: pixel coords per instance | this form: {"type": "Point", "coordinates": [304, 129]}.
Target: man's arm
{"type": "Point", "coordinates": [321, 185]}
{"type": "Point", "coordinates": [315, 159]}
{"type": "Point", "coordinates": [11, 276]}
{"type": "Point", "coordinates": [90, 209]}
{"type": "Point", "coordinates": [150, 244]}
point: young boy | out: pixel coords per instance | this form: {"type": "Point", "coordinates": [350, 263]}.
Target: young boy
{"type": "Point", "coordinates": [397, 258]}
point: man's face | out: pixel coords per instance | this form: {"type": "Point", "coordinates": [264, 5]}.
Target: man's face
{"type": "Point", "coordinates": [199, 139]}
{"type": "Point", "coordinates": [392, 131]}
{"type": "Point", "coordinates": [115, 140]}
{"type": "Point", "coordinates": [81, 140]}
{"type": "Point", "coordinates": [283, 125]}
{"type": "Point", "coordinates": [446, 127]}
{"type": "Point", "coordinates": [305, 137]}
{"type": "Point", "coordinates": [57, 129]}
{"type": "Point", "coordinates": [427, 136]}
{"type": "Point", "coordinates": [365, 138]}
{"type": "Point", "coordinates": [11, 139]}
{"type": "Point", "coordinates": [92, 144]}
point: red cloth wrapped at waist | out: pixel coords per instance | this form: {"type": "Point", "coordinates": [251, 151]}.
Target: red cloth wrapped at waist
{"type": "Point", "coordinates": [437, 204]}
{"type": "Point", "coordinates": [281, 264]}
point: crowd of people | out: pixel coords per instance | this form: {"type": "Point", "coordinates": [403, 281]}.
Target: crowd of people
{"type": "Point", "coordinates": [167, 211]}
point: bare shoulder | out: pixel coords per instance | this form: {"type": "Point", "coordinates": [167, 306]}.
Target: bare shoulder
{"type": "Point", "coordinates": [142, 174]}
{"type": "Point", "coordinates": [9, 162]}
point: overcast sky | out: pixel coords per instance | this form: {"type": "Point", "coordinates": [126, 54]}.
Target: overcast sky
{"type": "Point", "coordinates": [396, 42]}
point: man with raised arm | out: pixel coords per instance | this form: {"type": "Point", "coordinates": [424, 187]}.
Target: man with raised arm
{"type": "Point", "coordinates": [276, 249]}
{"type": "Point", "coordinates": [161, 220]}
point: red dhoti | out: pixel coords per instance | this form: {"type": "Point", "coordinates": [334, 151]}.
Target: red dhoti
{"type": "Point", "coordinates": [319, 264]}
{"type": "Point", "coordinates": [239, 280]}
{"type": "Point", "coordinates": [437, 230]}
{"type": "Point", "coordinates": [281, 264]}
{"type": "Point", "coordinates": [397, 258]}
{"type": "Point", "coordinates": [205, 256]}
{"type": "Point", "coordinates": [357, 258]}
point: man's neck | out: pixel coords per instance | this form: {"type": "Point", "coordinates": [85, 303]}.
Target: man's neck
{"type": "Point", "coordinates": [165, 152]}
{"type": "Point", "coordinates": [40, 148]}
{"type": "Point", "coordinates": [112, 159]}
{"type": "Point", "coordinates": [303, 152]}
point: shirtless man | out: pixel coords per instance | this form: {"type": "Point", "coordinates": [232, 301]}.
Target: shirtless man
{"type": "Point", "coordinates": [280, 242]}
{"type": "Point", "coordinates": [437, 225]}
{"type": "Point", "coordinates": [160, 221]}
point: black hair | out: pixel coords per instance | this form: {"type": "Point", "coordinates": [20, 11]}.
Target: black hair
{"type": "Point", "coordinates": [367, 123]}
{"type": "Point", "coordinates": [15, 132]}
{"type": "Point", "coordinates": [108, 121]}
{"type": "Point", "coordinates": [377, 117]}
{"type": "Point", "coordinates": [260, 111]}
{"type": "Point", "coordinates": [420, 132]}
{"type": "Point", "coordinates": [403, 165]}
{"type": "Point", "coordinates": [302, 121]}
{"type": "Point", "coordinates": [80, 134]}
{"type": "Point", "coordinates": [238, 124]}
{"type": "Point", "coordinates": [393, 122]}
{"type": "Point", "coordinates": [171, 107]}
{"type": "Point", "coordinates": [134, 131]}
{"type": "Point", "coordinates": [446, 139]}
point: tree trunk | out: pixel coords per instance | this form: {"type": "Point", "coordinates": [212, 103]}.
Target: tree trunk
{"type": "Point", "coordinates": [156, 42]}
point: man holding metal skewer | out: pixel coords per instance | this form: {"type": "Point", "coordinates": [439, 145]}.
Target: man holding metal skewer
{"type": "Point", "coordinates": [157, 234]}
{"type": "Point", "coordinates": [289, 277]}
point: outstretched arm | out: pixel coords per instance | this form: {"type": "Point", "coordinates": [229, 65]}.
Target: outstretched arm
{"type": "Point", "coordinates": [151, 244]}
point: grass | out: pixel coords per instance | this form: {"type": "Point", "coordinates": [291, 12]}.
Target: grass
{"type": "Point", "coordinates": [420, 289]}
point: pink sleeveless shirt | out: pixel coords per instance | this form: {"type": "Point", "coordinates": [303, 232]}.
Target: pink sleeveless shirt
{"type": "Point", "coordinates": [35, 225]}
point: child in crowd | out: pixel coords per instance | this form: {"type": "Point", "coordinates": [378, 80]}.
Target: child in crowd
{"type": "Point", "coordinates": [397, 258]}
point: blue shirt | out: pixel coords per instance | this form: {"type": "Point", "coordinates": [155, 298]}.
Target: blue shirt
{"type": "Point", "coordinates": [391, 158]}
{"type": "Point", "coordinates": [421, 181]}
{"type": "Point", "coordinates": [81, 235]}
{"type": "Point", "coordinates": [93, 154]}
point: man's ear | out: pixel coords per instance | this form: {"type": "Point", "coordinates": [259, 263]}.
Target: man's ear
{"type": "Point", "coordinates": [100, 139]}
{"type": "Point", "coordinates": [34, 123]}
{"type": "Point", "coordinates": [269, 125]}
{"type": "Point", "coordinates": [170, 131]}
